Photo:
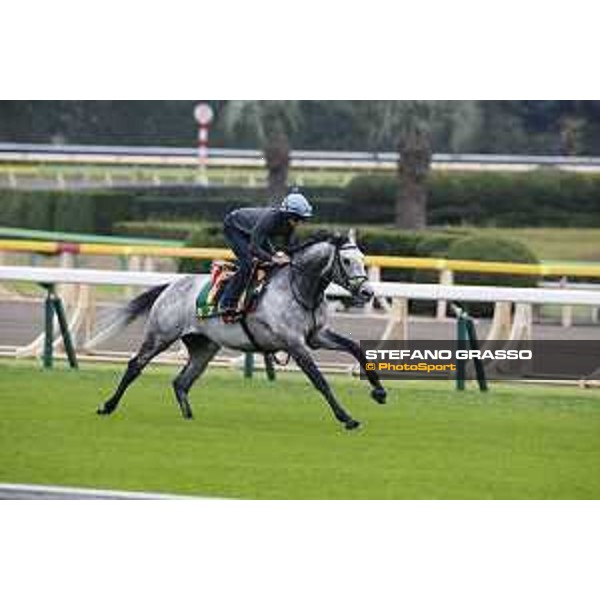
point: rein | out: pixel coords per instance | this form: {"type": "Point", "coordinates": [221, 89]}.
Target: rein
{"type": "Point", "coordinates": [298, 297]}
{"type": "Point", "coordinates": [333, 268]}
{"type": "Point", "coordinates": [324, 281]}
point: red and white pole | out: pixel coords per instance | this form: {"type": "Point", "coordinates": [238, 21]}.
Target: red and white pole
{"type": "Point", "coordinates": [203, 114]}
{"type": "Point", "coordinates": [202, 145]}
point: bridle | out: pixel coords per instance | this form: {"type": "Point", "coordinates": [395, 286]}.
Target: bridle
{"type": "Point", "coordinates": [333, 271]}
{"type": "Point", "coordinates": [352, 284]}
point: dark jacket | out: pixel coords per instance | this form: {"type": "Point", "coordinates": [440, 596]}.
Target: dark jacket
{"type": "Point", "coordinates": [262, 225]}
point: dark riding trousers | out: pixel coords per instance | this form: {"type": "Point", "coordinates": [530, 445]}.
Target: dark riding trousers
{"type": "Point", "coordinates": [254, 233]}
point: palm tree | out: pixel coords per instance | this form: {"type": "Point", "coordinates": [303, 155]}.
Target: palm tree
{"type": "Point", "coordinates": [414, 164]}
{"type": "Point", "coordinates": [270, 122]}
{"type": "Point", "coordinates": [412, 125]}
{"type": "Point", "coordinates": [571, 135]}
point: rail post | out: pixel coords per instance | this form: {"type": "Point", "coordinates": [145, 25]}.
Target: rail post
{"type": "Point", "coordinates": [48, 325]}
{"type": "Point", "coordinates": [64, 330]}
{"type": "Point", "coordinates": [474, 343]}
{"type": "Point", "coordinates": [374, 274]}
{"type": "Point", "coordinates": [446, 278]}
{"type": "Point", "coordinates": [566, 313]}
{"type": "Point", "coordinates": [461, 363]}
{"type": "Point", "coordinates": [467, 338]}
{"type": "Point", "coordinates": [248, 365]}
{"type": "Point", "coordinates": [53, 305]}
{"type": "Point", "coordinates": [397, 325]}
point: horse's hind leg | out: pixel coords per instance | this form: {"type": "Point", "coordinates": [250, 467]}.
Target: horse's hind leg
{"type": "Point", "coordinates": [150, 347]}
{"type": "Point", "coordinates": [201, 350]}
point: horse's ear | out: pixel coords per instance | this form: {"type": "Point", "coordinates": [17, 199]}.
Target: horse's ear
{"type": "Point", "coordinates": [340, 239]}
{"type": "Point", "coordinates": [352, 236]}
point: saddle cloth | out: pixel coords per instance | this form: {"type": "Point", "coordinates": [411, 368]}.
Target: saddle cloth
{"type": "Point", "coordinates": [207, 302]}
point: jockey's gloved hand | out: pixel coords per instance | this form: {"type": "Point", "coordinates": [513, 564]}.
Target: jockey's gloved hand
{"type": "Point", "coordinates": [281, 258]}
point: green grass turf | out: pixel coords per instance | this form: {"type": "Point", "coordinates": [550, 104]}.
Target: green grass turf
{"type": "Point", "coordinates": [255, 439]}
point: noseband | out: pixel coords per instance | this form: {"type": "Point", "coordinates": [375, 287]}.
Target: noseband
{"type": "Point", "coordinates": [354, 283]}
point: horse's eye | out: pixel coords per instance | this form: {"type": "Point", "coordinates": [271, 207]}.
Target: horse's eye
{"type": "Point", "coordinates": [346, 261]}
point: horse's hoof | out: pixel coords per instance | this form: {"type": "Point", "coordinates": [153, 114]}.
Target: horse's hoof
{"type": "Point", "coordinates": [103, 410]}
{"type": "Point", "coordinates": [352, 424]}
{"type": "Point", "coordinates": [186, 410]}
{"type": "Point", "coordinates": [379, 395]}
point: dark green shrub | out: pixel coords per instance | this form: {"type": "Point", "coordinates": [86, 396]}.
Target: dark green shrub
{"type": "Point", "coordinates": [86, 211]}
{"type": "Point", "coordinates": [165, 230]}
{"type": "Point", "coordinates": [432, 245]}
{"type": "Point", "coordinates": [396, 242]}
{"type": "Point", "coordinates": [497, 249]}
{"type": "Point", "coordinates": [372, 240]}
{"type": "Point", "coordinates": [75, 215]}
{"type": "Point", "coordinates": [212, 204]}
{"type": "Point", "coordinates": [203, 235]}
{"type": "Point", "coordinates": [543, 197]}
{"type": "Point", "coordinates": [97, 211]}
{"type": "Point", "coordinates": [110, 207]}
{"type": "Point", "coordinates": [436, 245]}
{"type": "Point", "coordinates": [371, 198]}
{"type": "Point", "coordinates": [28, 210]}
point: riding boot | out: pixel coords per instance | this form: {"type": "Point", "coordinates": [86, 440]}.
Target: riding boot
{"type": "Point", "coordinates": [228, 305]}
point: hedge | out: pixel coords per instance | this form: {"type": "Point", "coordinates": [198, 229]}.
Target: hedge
{"type": "Point", "coordinates": [491, 248]}
{"type": "Point", "coordinates": [537, 198]}
{"type": "Point", "coordinates": [79, 212]}
{"type": "Point", "coordinates": [96, 211]}
{"type": "Point", "coordinates": [373, 239]}
{"type": "Point", "coordinates": [544, 197]}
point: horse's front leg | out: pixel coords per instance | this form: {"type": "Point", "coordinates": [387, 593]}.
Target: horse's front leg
{"type": "Point", "coordinates": [305, 361]}
{"type": "Point", "coordinates": [330, 340]}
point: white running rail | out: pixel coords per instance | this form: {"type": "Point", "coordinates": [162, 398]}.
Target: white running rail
{"type": "Point", "coordinates": [413, 291]}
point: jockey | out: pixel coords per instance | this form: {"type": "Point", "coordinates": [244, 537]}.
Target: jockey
{"type": "Point", "coordinates": [250, 233]}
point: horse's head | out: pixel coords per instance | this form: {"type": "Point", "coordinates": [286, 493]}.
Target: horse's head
{"type": "Point", "coordinates": [348, 269]}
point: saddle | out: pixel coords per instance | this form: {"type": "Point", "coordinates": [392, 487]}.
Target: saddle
{"type": "Point", "coordinates": [207, 302]}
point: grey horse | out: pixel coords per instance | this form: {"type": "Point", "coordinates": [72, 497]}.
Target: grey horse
{"type": "Point", "coordinates": [290, 316]}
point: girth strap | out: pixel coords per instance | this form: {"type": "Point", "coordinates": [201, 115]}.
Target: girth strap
{"type": "Point", "coordinates": [249, 334]}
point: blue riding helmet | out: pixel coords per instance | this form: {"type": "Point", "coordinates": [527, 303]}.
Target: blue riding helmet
{"type": "Point", "coordinates": [296, 204]}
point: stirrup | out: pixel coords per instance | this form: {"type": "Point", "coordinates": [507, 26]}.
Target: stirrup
{"type": "Point", "coordinates": [230, 316]}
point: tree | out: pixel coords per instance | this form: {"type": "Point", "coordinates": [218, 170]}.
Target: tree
{"type": "Point", "coordinates": [414, 124]}
{"type": "Point", "coordinates": [571, 130]}
{"type": "Point", "coordinates": [414, 164]}
{"type": "Point", "coordinates": [270, 122]}
{"type": "Point", "coordinates": [409, 123]}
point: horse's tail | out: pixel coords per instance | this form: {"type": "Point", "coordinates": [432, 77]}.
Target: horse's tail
{"type": "Point", "coordinates": [118, 319]}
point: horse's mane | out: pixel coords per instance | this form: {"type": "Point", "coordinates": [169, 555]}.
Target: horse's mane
{"type": "Point", "coordinates": [320, 236]}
